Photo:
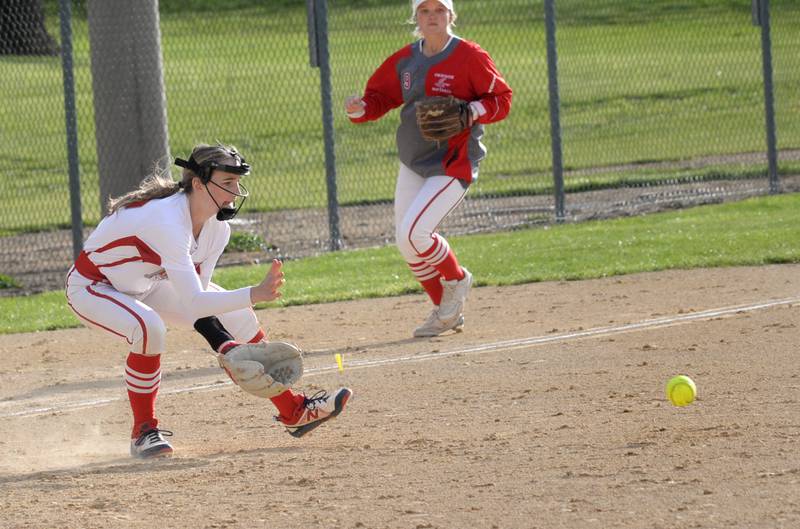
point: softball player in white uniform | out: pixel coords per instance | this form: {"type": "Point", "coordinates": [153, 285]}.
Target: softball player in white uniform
{"type": "Point", "coordinates": [149, 263]}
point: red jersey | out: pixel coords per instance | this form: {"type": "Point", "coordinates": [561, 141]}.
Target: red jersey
{"type": "Point", "coordinates": [462, 69]}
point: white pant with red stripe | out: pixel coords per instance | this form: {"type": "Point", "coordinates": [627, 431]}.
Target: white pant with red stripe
{"type": "Point", "coordinates": [142, 322]}
{"type": "Point", "coordinates": [420, 206]}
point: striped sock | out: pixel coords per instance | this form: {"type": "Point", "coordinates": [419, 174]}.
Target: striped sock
{"type": "Point", "coordinates": [441, 257]}
{"type": "Point", "coordinates": [260, 336]}
{"type": "Point", "coordinates": [428, 277]}
{"type": "Point", "coordinates": [142, 378]}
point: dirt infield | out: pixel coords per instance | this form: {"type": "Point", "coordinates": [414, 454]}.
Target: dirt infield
{"type": "Point", "coordinates": [547, 412]}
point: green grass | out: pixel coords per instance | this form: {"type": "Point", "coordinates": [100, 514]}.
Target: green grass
{"type": "Point", "coordinates": [8, 282]}
{"type": "Point", "coordinates": [753, 232]}
{"type": "Point", "coordinates": [657, 80]}
{"type": "Point", "coordinates": [245, 242]}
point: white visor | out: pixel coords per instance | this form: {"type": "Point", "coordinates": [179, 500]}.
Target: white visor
{"type": "Point", "coordinates": [416, 3]}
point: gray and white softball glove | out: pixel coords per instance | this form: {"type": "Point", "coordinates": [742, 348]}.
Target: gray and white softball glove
{"type": "Point", "coordinates": [263, 369]}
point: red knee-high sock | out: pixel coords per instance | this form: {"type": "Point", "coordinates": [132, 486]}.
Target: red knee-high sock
{"type": "Point", "coordinates": [259, 337]}
{"type": "Point", "coordinates": [441, 257]}
{"type": "Point", "coordinates": [449, 268]}
{"type": "Point", "coordinates": [288, 401]}
{"type": "Point", "coordinates": [142, 378]}
{"type": "Point", "coordinates": [434, 289]}
{"type": "Point", "coordinates": [428, 277]}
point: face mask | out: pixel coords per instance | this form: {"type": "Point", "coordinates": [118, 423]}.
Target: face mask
{"type": "Point", "coordinates": [227, 213]}
{"type": "Point", "coordinates": [206, 169]}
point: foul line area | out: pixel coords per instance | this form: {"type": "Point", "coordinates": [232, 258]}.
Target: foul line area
{"type": "Point", "coordinates": [507, 345]}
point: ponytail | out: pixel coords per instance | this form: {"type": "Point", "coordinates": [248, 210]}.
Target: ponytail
{"type": "Point", "coordinates": [158, 185]}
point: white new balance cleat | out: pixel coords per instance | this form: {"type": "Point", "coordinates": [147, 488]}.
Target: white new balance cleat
{"type": "Point", "coordinates": [434, 325]}
{"type": "Point", "coordinates": [151, 443]}
{"type": "Point", "coordinates": [454, 295]}
{"type": "Point", "coordinates": [315, 410]}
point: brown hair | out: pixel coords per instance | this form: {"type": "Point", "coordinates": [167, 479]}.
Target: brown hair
{"type": "Point", "coordinates": [161, 185]}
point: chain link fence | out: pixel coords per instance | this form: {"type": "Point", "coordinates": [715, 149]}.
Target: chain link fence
{"type": "Point", "coordinates": [662, 106]}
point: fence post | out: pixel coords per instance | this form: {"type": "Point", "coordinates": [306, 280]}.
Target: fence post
{"type": "Point", "coordinates": [65, 14]}
{"type": "Point", "coordinates": [761, 18]}
{"type": "Point", "coordinates": [129, 97]}
{"type": "Point", "coordinates": [320, 57]}
{"type": "Point", "coordinates": [555, 117]}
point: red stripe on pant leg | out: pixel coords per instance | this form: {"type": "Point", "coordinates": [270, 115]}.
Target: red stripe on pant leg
{"type": "Point", "coordinates": [422, 211]}
{"type": "Point", "coordinates": [134, 314]}
{"type": "Point", "coordinates": [112, 331]}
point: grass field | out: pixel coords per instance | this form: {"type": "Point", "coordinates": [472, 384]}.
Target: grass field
{"type": "Point", "coordinates": [640, 81]}
{"type": "Point", "coordinates": [752, 232]}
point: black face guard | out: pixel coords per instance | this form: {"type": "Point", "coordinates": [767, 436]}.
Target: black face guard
{"type": "Point", "coordinates": [205, 170]}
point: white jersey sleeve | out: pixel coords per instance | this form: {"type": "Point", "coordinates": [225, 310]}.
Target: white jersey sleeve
{"type": "Point", "coordinates": [174, 244]}
{"type": "Point", "coordinates": [200, 303]}
{"type": "Point", "coordinates": [139, 245]}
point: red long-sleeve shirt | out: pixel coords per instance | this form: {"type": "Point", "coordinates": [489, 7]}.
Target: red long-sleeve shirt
{"type": "Point", "coordinates": [461, 69]}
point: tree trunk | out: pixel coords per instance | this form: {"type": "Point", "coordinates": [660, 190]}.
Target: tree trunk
{"type": "Point", "coordinates": [22, 29]}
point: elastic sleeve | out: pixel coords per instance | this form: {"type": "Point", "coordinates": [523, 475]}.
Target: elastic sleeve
{"type": "Point", "coordinates": [383, 92]}
{"type": "Point", "coordinates": [494, 94]}
{"type": "Point", "coordinates": [200, 303]}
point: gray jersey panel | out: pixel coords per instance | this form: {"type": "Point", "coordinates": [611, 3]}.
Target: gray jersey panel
{"type": "Point", "coordinates": [425, 157]}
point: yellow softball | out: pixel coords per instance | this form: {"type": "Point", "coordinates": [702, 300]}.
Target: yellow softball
{"type": "Point", "coordinates": [681, 390]}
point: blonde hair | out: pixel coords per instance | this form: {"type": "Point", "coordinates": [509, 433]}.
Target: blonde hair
{"type": "Point", "coordinates": [418, 34]}
{"type": "Point", "coordinates": [161, 185]}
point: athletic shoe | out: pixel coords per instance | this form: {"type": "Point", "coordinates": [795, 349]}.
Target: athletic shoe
{"type": "Point", "coordinates": [315, 410]}
{"type": "Point", "coordinates": [151, 443]}
{"type": "Point", "coordinates": [434, 325]}
{"type": "Point", "coordinates": [454, 294]}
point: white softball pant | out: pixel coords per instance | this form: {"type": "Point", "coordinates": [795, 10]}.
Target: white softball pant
{"type": "Point", "coordinates": [420, 206]}
{"type": "Point", "coordinates": [142, 323]}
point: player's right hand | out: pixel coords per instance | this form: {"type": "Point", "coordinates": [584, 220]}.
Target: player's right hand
{"type": "Point", "coordinates": [269, 288]}
{"type": "Point", "coordinates": [354, 104]}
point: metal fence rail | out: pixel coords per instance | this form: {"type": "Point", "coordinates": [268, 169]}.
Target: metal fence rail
{"type": "Point", "coordinates": [661, 104]}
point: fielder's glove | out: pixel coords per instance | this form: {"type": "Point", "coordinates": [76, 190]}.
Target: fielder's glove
{"type": "Point", "coordinates": [441, 117]}
{"type": "Point", "coordinates": [263, 369]}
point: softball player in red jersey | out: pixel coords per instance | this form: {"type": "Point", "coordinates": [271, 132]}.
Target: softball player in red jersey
{"type": "Point", "coordinates": [149, 264]}
{"type": "Point", "coordinates": [433, 178]}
